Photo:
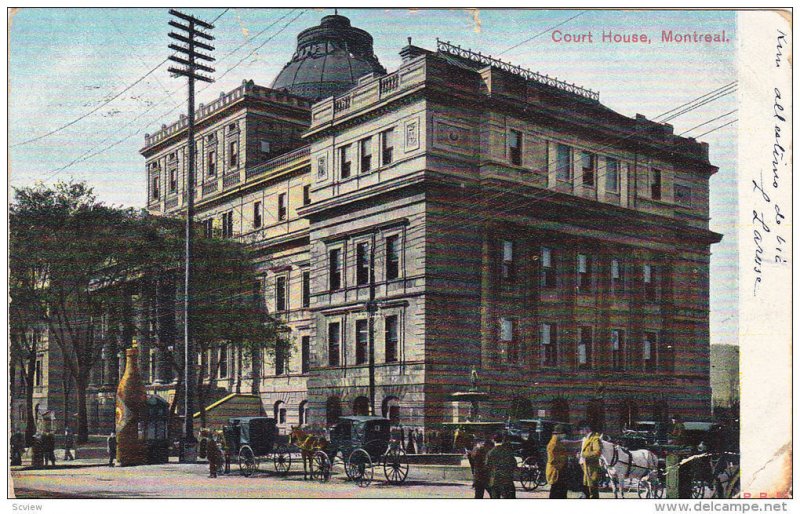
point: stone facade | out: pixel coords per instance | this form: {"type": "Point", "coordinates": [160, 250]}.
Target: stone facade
{"type": "Point", "coordinates": [496, 222]}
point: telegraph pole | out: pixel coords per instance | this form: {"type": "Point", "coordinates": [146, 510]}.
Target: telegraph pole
{"type": "Point", "coordinates": [192, 29]}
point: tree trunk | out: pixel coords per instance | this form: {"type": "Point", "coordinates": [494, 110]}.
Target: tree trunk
{"type": "Point", "coordinates": [30, 374]}
{"type": "Point", "coordinates": [174, 407]}
{"type": "Point", "coordinates": [81, 384]}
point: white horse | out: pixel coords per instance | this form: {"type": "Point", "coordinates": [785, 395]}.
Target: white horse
{"type": "Point", "coordinates": [623, 464]}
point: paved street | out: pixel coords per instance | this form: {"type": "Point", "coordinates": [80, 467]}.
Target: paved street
{"type": "Point", "coordinates": [190, 481]}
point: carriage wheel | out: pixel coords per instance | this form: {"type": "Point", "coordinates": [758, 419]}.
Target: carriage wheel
{"type": "Point", "coordinates": [320, 467]}
{"type": "Point", "coordinates": [282, 460]}
{"type": "Point", "coordinates": [698, 489]}
{"type": "Point", "coordinates": [359, 467]}
{"type": "Point", "coordinates": [247, 461]}
{"type": "Point", "coordinates": [529, 474]}
{"type": "Point", "coordinates": [395, 465]}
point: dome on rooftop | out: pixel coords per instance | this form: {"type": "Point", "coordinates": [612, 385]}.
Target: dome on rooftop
{"type": "Point", "coordinates": [330, 58]}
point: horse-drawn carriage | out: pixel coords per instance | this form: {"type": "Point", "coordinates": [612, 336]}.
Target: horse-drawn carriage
{"type": "Point", "coordinates": [361, 443]}
{"type": "Point", "coordinates": [529, 438]}
{"type": "Point", "coordinates": [253, 438]}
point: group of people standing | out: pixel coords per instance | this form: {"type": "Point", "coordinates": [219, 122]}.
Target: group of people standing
{"type": "Point", "coordinates": [493, 466]}
{"type": "Point", "coordinates": [588, 457]}
{"type": "Point", "coordinates": [43, 448]}
{"type": "Point", "coordinates": [412, 440]}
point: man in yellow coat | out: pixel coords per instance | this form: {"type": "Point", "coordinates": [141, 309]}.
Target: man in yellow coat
{"type": "Point", "coordinates": [590, 455]}
{"type": "Point", "coordinates": [557, 456]}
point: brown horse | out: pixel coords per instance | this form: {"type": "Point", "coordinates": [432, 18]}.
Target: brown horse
{"type": "Point", "coordinates": [308, 444]}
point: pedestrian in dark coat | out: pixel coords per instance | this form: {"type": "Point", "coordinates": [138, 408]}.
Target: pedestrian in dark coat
{"type": "Point", "coordinates": [410, 446]}
{"type": "Point", "coordinates": [111, 443]}
{"type": "Point", "coordinates": [69, 445]}
{"type": "Point", "coordinates": [502, 465]}
{"type": "Point", "coordinates": [49, 447]}
{"type": "Point", "coordinates": [477, 462]}
{"type": "Point", "coordinates": [403, 438]}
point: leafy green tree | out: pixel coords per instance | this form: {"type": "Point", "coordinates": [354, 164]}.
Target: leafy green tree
{"type": "Point", "coordinates": [71, 254]}
{"type": "Point", "coordinates": [76, 247]}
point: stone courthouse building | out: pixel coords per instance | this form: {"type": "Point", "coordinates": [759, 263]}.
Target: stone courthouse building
{"type": "Point", "coordinates": [503, 221]}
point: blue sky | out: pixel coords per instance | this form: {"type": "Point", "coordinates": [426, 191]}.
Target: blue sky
{"type": "Point", "coordinates": [66, 62]}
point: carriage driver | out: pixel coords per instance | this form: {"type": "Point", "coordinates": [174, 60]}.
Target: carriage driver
{"type": "Point", "coordinates": [212, 451]}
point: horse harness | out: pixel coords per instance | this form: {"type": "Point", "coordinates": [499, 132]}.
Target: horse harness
{"type": "Point", "coordinates": [630, 463]}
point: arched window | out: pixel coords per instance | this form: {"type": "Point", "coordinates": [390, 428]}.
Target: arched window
{"type": "Point", "coordinates": [391, 409]}
{"type": "Point", "coordinates": [302, 414]}
{"type": "Point", "coordinates": [628, 413]}
{"type": "Point", "coordinates": [361, 406]}
{"type": "Point", "coordinates": [660, 411]}
{"type": "Point", "coordinates": [596, 414]}
{"type": "Point", "coordinates": [520, 408]}
{"type": "Point", "coordinates": [280, 412]}
{"type": "Point", "coordinates": [333, 410]}
{"type": "Point", "coordinates": [559, 409]}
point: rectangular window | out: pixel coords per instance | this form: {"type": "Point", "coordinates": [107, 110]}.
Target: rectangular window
{"type": "Point", "coordinates": [264, 147]}
{"type": "Point", "coordinates": [387, 146]}
{"type": "Point", "coordinates": [233, 153]}
{"type": "Point", "coordinates": [515, 147]}
{"type": "Point", "coordinates": [305, 354]}
{"type": "Point", "coordinates": [208, 228]}
{"type": "Point", "coordinates": [333, 344]}
{"type": "Point", "coordinates": [655, 184]}
{"type": "Point", "coordinates": [223, 362]}
{"type": "Point", "coordinates": [612, 175]}
{"type": "Point", "coordinates": [155, 190]}
{"type": "Point", "coordinates": [648, 351]}
{"type": "Point", "coordinates": [212, 163]}
{"type": "Point", "coordinates": [683, 195]}
{"type": "Point", "coordinates": [306, 289]}
{"type": "Point", "coordinates": [227, 224]}
{"type": "Point", "coordinates": [335, 269]}
{"type": "Point", "coordinates": [548, 278]}
{"type": "Point", "coordinates": [650, 273]}
{"type": "Point", "coordinates": [584, 279]}
{"type": "Point", "coordinates": [588, 160]}
{"type": "Point", "coordinates": [362, 264]}
{"type": "Point", "coordinates": [257, 215]}
{"type": "Point", "coordinates": [549, 338]}
{"type": "Point", "coordinates": [617, 277]}
{"type": "Point", "coordinates": [173, 180]}
{"type": "Point", "coordinates": [344, 161]}
{"type": "Point", "coordinates": [37, 379]}
{"type": "Point", "coordinates": [280, 358]}
{"type": "Point", "coordinates": [617, 345]}
{"type": "Point", "coordinates": [280, 294]}
{"type": "Point", "coordinates": [306, 195]}
{"type": "Point", "coordinates": [585, 347]}
{"type": "Point", "coordinates": [390, 338]}
{"type": "Point", "coordinates": [282, 206]}
{"type": "Point", "coordinates": [366, 154]}
{"type": "Point", "coordinates": [362, 341]}
{"type": "Point", "coordinates": [507, 266]}
{"type": "Point", "coordinates": [392, 257]}
{"type": "Point", "coordinates": [564, 163]}
{"type": "Point", "coordinates": [508, 342]}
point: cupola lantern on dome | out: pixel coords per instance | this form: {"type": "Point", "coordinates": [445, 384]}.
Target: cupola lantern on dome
{"type": "Point", "coordinates": [329, 60]}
